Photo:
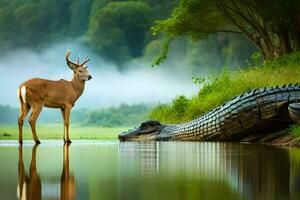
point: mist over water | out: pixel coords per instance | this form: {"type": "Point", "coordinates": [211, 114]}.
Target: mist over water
{"type": "Point", "coordinates": [138, 83]}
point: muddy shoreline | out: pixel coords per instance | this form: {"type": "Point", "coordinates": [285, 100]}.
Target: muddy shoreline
{"type": "Point", "coordinates": [280, 138]}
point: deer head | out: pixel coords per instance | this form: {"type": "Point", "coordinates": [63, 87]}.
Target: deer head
{"type": "Point", "coordinates": [80, 70]}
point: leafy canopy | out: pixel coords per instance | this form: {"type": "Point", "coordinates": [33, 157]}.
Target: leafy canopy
{"type": "Point", "coordinates": [272, 25]}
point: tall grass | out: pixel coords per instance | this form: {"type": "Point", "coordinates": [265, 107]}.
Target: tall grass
{"type": "Point", "coordinates": [221, 88]}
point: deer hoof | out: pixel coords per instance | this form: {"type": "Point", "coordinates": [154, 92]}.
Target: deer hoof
{"type": "Point", "coordinates": [37, 142]}
{"type": "Point", "coordinates": [20, 142]}
{"type": "Point", "coordinates": [67, 141]}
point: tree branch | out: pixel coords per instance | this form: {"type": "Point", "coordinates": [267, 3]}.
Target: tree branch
{"type": "Point", "coordinates": [229, 31]}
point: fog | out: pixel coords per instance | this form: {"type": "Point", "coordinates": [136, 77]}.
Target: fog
{"type": "Point", "coordinates": [139, 83]}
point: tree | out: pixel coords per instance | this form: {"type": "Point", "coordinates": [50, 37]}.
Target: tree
{"type": "Point", "coordinates": [118, 30]}
{"type": "Point", "coordinates": [79, 16]}
{"type": "Point", "coordinates": [269, 24]}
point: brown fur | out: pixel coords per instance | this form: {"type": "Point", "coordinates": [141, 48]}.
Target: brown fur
{"type": "Point", "coordinates": [53, 94]}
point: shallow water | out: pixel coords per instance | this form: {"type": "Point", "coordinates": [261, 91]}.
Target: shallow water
{"type": "Point", "coordinates": [155, 170]}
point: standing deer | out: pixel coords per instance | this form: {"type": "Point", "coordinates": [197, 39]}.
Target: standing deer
{"type": "Point", "coordinates": [36, 93]}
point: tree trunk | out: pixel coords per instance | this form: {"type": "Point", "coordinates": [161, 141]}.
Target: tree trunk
{"type": "Point", "coordinates": [284, 43]}
{"type": "Point", "coordinates": [267, 52]}
{"type": "Point", "coordinates": [295, 32]}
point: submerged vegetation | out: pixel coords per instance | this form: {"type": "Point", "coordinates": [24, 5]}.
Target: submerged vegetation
{"type": "Point", "coordinates": [218, 89]}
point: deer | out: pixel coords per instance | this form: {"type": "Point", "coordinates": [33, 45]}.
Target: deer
{"type": "Point", "coordinates": [36, 93]}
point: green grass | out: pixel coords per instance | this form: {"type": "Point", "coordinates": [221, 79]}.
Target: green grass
{"type": "Point", "coordinates": [220, 89]}
{"type": "Point", "coordinates": [55, 131]}
{"type": "Point", "coordinates": [295, 130]}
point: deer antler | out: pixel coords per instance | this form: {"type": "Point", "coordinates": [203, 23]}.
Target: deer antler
{"type": "Point", "coordinates": [85, 60]}
{"type": "Point", "coordinates": [70, 63]}
{"type": "Point", "coordinates": [68, 52]}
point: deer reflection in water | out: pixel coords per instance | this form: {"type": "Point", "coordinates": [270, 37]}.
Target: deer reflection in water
{"type": "Point", "coordinates": [30, 187]}
{"type": "Point", "coordinates": [67, 181]}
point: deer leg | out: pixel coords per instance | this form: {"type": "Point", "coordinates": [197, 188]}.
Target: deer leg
{"type": "Point", "coordinates": [66, 121]}
{"type": "Point", "coordinates": [63, 115]}
{"type": "Point", "coordinates": [33, 160]}
{"type": "Point", "coordinates": [23, 112]}
{"type": "Point", "coordinates": [36, 110]}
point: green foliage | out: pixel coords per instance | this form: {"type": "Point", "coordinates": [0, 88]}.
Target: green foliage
{"type": "Point", "coordinates": [270, 25]}
{"type": "Point", "coordinates": [163, 54]}
{"type": "Point", "coordinates": [221, 88]}
{"type": "Point", "coordinates": [33, 23]}
{"type": "Point", "coordinates": [119, 29]}
{"type": "Point", "coordinates": [124, 115]}
{"type": "Point", "coordinates": [295, 130]}
{"type": "Point", "coordinates": [179, 106]}
{"type": "Point", "coordinates": [205, 55]}
{"type": "Point", "coordinates": [79, 16]}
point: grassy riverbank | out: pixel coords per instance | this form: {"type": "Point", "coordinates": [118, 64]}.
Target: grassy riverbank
{"type": "Point", "coordinates": [221, 88]}
{"type": "Point", "coordinates": [55, 131]}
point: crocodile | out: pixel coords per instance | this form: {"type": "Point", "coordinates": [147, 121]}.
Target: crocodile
{"type": "Point", "coordinates": [253, 114]}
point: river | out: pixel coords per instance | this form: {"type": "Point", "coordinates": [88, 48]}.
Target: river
{"type": "Point", "coordinates": [149, 170]}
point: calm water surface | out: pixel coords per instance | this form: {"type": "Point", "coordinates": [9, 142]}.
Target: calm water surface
{"type": "Point", "coordinates": [156, 170]}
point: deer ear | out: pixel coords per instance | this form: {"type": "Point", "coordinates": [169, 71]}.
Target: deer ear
{"type": "Point", "coordinates": [72, 66]}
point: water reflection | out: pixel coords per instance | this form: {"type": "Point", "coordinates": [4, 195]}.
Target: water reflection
{"type": "Point", "coordinates": [67, 180]}
{"type": "Point", "coordinates": [146, 153]}
{"type": "Point", "coordinates": [30, 186]}
{"type": "Point", "coordinates": [245, 171]}
{"type": "Point", "coordinates": [153, 170]}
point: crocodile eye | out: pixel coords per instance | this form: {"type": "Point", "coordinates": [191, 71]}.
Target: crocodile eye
{"type": "Point", "coordinates": [147, 126]}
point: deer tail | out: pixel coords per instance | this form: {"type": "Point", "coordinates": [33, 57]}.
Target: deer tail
{"type": "Point", "coordinates": [22, 94]}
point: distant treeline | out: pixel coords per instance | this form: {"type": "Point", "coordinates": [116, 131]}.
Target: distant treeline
{"type": "Point", "coordinates": [117, 30]}
{"type": "Point", "coordinates": [123, 115]}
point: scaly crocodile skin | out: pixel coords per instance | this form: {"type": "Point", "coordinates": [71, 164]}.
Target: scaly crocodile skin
{"type": "Point", "coordinates": [258, 111]}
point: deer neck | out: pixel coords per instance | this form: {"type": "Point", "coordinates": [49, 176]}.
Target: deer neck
{"type": "Point", "coordinates": [78, 85]}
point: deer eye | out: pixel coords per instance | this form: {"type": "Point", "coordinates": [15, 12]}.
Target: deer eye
{"type": "Point", "coordinates": [80, 71]}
